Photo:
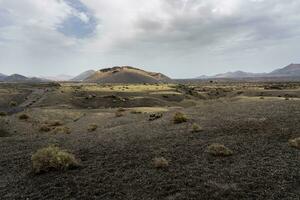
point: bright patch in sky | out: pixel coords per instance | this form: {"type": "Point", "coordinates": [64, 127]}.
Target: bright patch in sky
{"type": "Point", "coordinates": [81, 23]}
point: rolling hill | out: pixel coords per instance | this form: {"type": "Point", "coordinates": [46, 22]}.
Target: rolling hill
{"type": "Point", "coordinates": [126, 74]}
{"type": "Point", "coordinates": [17, 78]}
{"type": "Point", "coordinates": [83, 75]}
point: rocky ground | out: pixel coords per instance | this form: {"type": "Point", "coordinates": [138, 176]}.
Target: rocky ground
{"type": "Point", "coordinates": [255, 121]}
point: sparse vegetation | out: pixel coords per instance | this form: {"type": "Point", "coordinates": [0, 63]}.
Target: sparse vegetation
{"type": "Point", "coordinates": [24, 116]}
{"type": "Point", "coordinates": [92, 127]}
{"type": "Point", "coordinates": [160, 163]}
{"type": "Point", "coordinates": [219, 150]}
{"type": "Point", "coordinates": [179, 118]}
{"type": "Point", "coordinates": [52, 158]}
{"type": "Point", "coordinates": [295, 143]}
{"type": "Point", "coordinates": [196, 128]}
{"type": "Point", "coordinates": [62, 130]}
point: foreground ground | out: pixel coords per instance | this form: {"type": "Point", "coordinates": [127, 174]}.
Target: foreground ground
{"type": "Point", "coordinates": [254, 120]}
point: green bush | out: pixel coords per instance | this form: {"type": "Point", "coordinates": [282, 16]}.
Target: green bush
{"type": "Point", "coordinates": [52, 158]}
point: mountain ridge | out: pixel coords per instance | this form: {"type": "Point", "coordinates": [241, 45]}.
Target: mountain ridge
{"type": "Point", "coordinates": [292, 70]}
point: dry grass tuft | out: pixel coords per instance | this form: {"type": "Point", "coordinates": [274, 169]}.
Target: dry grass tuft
{"type": "Point", "coordinates": [52, 158]}
{"type": "Point", "coordinates": [23, 116]}
{"type": "Point", "coordinates": [196, 128]}
{"type": "Point", "coordinates": [62, 130]}
{"type": "Point", "coordinates": [92, 127]}
{"type": "Point", "coordinates": [219, 150]}
{"type": "Point", "coordinates": [179, 118]}
{"type": "Point", "coordinates": [295, 143]}
{"type": "Point", "coordinates": [160, 163]}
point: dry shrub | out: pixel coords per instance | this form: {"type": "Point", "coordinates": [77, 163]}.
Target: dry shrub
{"type": "Point", "coordinates": [196, 128]}
{"type": "Point", "coordinates": [62, 130]}
{"type": "Point", "coordinates": [52, 158]}
{"type": "Point", "coordinates": [119, 114]}
{"type": "Point", "coordinates": [155, 116]}
{"type": "Point", "coordinates": [219, 150]}
{"type": "Point", "coordinates": [55, 123]}
{"type": "Point", "coordinates": [45, 128]}
{"type": "Point", "coordinates": [92, 127]}
{"type": "Point", "coordinates": [160, 163]}
{"type": "Point", "coordinates": [23, 116]}
{"type": "Point", "coordinates": [295, 143]}
{"type": "Point", "coordinates": [179, 118]}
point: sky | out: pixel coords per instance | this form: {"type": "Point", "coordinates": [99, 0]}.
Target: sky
{"type": "Point", "coordinates": [180, 38]}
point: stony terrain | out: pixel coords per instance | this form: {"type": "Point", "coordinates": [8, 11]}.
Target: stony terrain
{"type": "Point", "coordinates": [135, 127]}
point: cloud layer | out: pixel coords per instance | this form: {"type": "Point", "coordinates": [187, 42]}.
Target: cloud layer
{"type": "Point", "coordinates": [182, 38]}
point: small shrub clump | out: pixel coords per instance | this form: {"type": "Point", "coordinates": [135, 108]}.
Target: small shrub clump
{"type": "Point", "coordinates": [45, 128]}
{"type": "Point", "coordinates": [160, 163]}
{"type": "Point", "coordinates": [196, 128]}
{"type": "Point", "coordinates": [219, 150]}
{"type": "Point", "coordinates": [55, 123]}
{"type": "Point", "coordinates": [92, 127]}
{"type": "Point", "coordinates": [23, 116]}
{"type": "Point", "coordinates": [295, 143]}
{"type": "Point", "coordinates": [119, 114]}
{"type": "Point", "coordinates": [62, 130]}
{"type": "Point", "coordinates": [179, 118]}
{"type": "Point", "coordinates": [52, 158]}
{"type": "Point", "coordinates": [155, 116]}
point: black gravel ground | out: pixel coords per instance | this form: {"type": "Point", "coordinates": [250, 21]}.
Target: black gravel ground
{"type": "Point", "coordinates": [116, 160]}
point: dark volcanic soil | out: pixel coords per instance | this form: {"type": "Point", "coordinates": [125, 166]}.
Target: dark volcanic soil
{"type": "Point", "coordinates": [116, 160]}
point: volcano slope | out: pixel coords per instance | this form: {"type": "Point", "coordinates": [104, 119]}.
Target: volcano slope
{"type": "Point", "coordinates": [255, 121]}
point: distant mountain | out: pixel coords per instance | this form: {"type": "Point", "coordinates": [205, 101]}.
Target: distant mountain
{"type": "Point", "coordinates": [2, 76]}
{"type": "Point", "coordinates": [83, 75]}
{"type": "Point", "coordinates": [292, 70]}
{"type": "Point", "coordinates": [61, 77]}
{"type": "Point", "coordinates": [126, 74]}
{"type": "Point", "coordinates": [20, 78]}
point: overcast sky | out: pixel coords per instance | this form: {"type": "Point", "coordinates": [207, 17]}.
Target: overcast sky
{"type": "Point", "coordinates": [181, 38]}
